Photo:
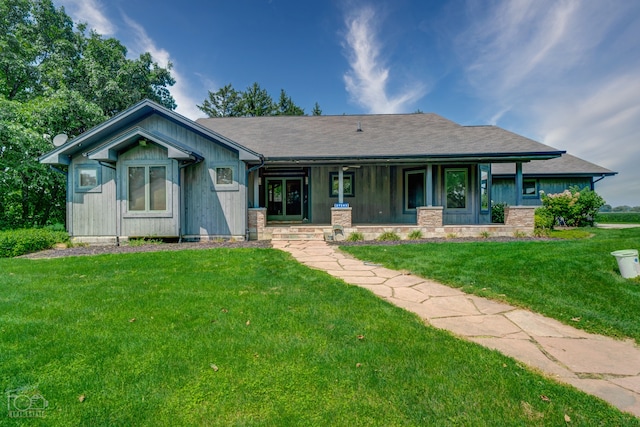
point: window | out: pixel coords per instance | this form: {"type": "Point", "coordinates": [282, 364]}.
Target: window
{"type": "Point", "coordinates": [530, 188]}
{"type": "Point", "coordinates": [88, 178]}
{"type": "Point", "coordinates": [147, 188]}
{"type": "Point", "coordinates": [348, 184]}
{"type": "Point", "coordinates": [224, 177]}
{"type": "Point", "coordinates": [414, 189]}
{"type": "Point", "coordinates": [455, 181]}
{"type": "Point", "coordinates": [484, 188]}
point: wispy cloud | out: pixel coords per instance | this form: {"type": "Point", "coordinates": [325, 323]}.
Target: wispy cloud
{"type": "Point", "coordinates": [140, 43]}
{"type": "Point", "coordinates": [137, 40]}
{"type": "Point", "coordinates": [567, 71]}
{"type": "Point", "coordinates": [91, 13]}
{"type": "Point", "coordinates": [368, 78]}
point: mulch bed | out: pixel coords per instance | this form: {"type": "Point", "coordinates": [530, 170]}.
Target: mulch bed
{"type": "Point", "coordinates": [123, 249]}
{"type": "Point", "coordinates": [113, 249]}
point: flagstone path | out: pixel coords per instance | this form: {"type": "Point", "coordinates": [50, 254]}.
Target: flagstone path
{"type": "Point", "coordinates": [601, 366]}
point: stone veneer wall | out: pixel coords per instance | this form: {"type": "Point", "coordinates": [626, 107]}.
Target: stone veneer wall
{"type": "Point", "coordinates": [341, 216]}
{"type": "Point", "coordinates": [257, 223]}
{"type": "Point", "coordinates": [430, 216]}
{"type": "Point", "coordinates": [520, 216]}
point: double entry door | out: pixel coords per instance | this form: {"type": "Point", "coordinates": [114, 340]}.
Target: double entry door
{"type": "Point", "coordinates": [284, 199]}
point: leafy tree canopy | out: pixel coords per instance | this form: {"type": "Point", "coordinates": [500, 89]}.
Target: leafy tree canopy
{"type": "Point", "coordinates": [254, 101]}
{"type": "Point", "coordinates": [55, 78]}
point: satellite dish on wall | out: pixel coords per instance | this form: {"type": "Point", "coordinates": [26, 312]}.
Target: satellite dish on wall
{"type": "Point", "coordinates": [58, 140]}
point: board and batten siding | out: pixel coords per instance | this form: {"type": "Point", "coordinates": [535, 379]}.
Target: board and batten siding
{"type": "Point", "coordinates": [503, 190]}
{"type": "Point", "coordinates": [378, 194]}
{"type": "Point", "coordinates": [91, 213]}
{"type": "Point", "coordinates": [208, 210]}
{"type": "Point", "coordinates": [149, 224]}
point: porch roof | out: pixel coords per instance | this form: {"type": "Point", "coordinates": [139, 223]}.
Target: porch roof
{"type": "Point", "coordinates": [372, 138]}
{"type": "Point", "coordinates": [567, 165]}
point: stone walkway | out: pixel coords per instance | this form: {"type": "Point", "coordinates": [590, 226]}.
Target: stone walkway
{"type": "Point", "coordinates": [601, 366]}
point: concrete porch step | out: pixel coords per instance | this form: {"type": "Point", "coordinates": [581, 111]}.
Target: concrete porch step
{"type": "Point", "coordinates": [297, 236]}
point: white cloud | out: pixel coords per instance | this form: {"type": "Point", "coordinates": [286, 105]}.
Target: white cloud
{"type": "Point", "coordinates": [91, 13]}
{"type": "Point", "coordinates": [180, 90]}
{"type": "Point", "coordinates": [367, 79]}
{"type": "Point", "coordinates": [569, 70]}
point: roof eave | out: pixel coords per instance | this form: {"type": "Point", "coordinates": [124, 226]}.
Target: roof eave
{"type": "Point", "coordinates": [61, 155]}
{"type": "Point", "coordinates": [429, 158]}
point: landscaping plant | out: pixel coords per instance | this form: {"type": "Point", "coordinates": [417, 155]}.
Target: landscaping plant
{"type": "Point", "coordinates": [572, 207]}
{"type": "Point", "coordinates": [19, 242]}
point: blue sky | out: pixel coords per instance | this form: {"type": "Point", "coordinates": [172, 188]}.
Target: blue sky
{"type": "Point", "coordinates": [562, 72]}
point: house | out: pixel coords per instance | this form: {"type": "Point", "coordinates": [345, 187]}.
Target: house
{"type": "Point", "coordinates": [151, 172]}
{"type": "Point", "coordinates": [550, 176]}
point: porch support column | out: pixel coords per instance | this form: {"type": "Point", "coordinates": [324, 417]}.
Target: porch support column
{"type": "Point", "coordinates": [340, 185]}
{"type": "Point", "coordinates": [429, 184]}
{"type": "Point", "coordinates": [256, 189]}
{"type": "Point", "coordinates": [519, 184]}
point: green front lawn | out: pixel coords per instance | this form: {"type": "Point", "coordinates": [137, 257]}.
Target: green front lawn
{"type": "Point", "coordinates": [248, 337]}
{"type": "Point", "coordinates": [574, 281]}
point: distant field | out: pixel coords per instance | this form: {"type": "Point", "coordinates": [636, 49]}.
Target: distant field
{"type": "Point", "coordinates": [619, 218]}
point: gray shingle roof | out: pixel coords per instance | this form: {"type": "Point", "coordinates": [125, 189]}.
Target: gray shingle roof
{"type": "Point", "coordinates": [389, 136]}
{"type": "Point", "coordinates": [565, 165]}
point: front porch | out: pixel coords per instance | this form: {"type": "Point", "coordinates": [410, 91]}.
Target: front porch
{"type": "Point", "coordinates": [518, 220]}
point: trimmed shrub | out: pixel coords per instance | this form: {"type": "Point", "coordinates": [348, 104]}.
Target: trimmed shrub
{"type": "Point", "coordinates": [497, 213]}
{"type": "Point", "coordinates": [573, 207]}
{"type": "Point", "coordinates": [19, 242]}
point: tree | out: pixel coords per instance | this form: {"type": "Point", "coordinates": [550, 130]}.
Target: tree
{"type": "Point", "coordinates": [40, 51]}
{"type": "Point", "coordinates": [54, 79]}
{"type": "Point", "coordinates": [223, 103]}
{"type": "Point", "coordinates": [255, 101]}
{"type": "Point", "coordinates": [31, 194]}
{"type": "Point", "coordinates": [316, 110]}
{"type": "Point", "coordinates": [286, 106]}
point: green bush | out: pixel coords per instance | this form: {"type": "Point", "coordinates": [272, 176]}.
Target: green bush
{"type": "Point", "coordinates": [543, 222]}
{"type": "Point", "coordinates": [497, 213]}
{"type": "Point", "coordinates": [415, 235]}
{"type": "Point", "coordinates": [573, 207]}
{"type": "Point", "coordinates": [356, 236]}
{"type": "Point", "coordinates": [19, 242]}
{"type": "Point", "coordinates": [388, 236]}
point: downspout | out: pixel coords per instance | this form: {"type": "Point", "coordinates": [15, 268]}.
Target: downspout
{"type": "Point", "coordinates": [255, 192]}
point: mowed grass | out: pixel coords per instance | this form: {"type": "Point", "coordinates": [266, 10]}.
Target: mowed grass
{"type": "Point", "coordinates": [248, 337]}
{"type": "Point", "coordinates": [574, 281]}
